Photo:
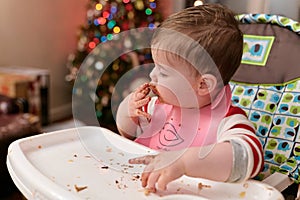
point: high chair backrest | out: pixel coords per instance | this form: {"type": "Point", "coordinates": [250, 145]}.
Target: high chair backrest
{"type": "Point", "coordinates": [267, 87]}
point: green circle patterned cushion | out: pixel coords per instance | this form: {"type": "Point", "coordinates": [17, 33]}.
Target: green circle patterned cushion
{"type": "Point", "coordinates": [275, 112]}
{"type": "Point", "coordinates": [271, 19]}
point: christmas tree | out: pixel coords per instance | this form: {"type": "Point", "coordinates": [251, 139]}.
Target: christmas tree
{"type": "Point", "coordinates": [105, 20]}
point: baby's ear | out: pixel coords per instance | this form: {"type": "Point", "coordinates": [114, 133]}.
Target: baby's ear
{"type": "Point", "coordinates": [206, 84]}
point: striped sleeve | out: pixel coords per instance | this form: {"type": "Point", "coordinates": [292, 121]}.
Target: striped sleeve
{"type": "Point", "coordinates": [149, 107]}
{"type": "Point", "coordinates": [248, 154]}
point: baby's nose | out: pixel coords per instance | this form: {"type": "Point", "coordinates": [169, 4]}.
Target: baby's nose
{"type": "Point", "coordinates": [153, 75]}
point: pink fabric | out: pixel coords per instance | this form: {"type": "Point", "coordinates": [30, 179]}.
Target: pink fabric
{"type": "Point", "coordinates": [174, 128]}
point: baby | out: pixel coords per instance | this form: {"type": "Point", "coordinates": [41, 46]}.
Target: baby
{"type": "Point", "coordinates": [189, 118]}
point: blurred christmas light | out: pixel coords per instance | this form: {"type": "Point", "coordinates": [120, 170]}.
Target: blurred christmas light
{"type": "Point", "coordinates": [92, 45]}
{"type": "Point", "coordinates": [96, 40]}
{"type": "Point", "coordinates": [113, 9]}
{"type": "Point", "coordinates": [139, 4]}
{"type": "Point", "coordinates": [110, 17]}
{"type": "Point", "coordinates": [104, 100]}
{"type": "Point", "coordinates": [127, 43]}
{"type": "Point", "coordinates": [111, 24]}
{"type": "Point", "coordinates": [105, 14]}
{"type": "Point", "coordinates": [90, 14]}
{"type": "Point", "coordinates": [97, 34]}
{"type": "Point", "coordinates": [109, 36]}
{"type": "Point", "coordinates": [151, 26]}
{"type": "Point", "coordinates": [198, 3]}
{"type": "Point", "coordinates": [101, 20]}
{"type": "Point", "coordinates": [116, 29]}
{"type": "Point", "coordinates": [77, 91]}
{"type": "Point", "coordinates": [98, 113]}
{"type": "Point", "coordinates": [99, 6]}
{"type": "Point", "coordinates": [126, 1]}
{"type": "Point", "coordinates": [96, 22]}
{"type": "Point", "coordinates": [115, 67]}
{"type": "Point", "coordinates": [90, 60]}
{"type": "Point", "coordinates": [130, 15]}
{"type": "Point", "coordinates": [153, 5]}
{"type": "Point", "coordinates": [125, 26]}
{"type": "Point", "coordinates": [99, 65]}
{"type": "Point", "coordinates": [148, 11]}
{"type": "Point", "coordinates": [103, 39]}
{"type": "Point", "coordinates": [83, 78]}
{"type": "Point", "coordinates": [128, 7]}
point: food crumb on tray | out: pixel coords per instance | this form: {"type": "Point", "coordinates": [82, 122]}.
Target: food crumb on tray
{"type": "Point", "coordinates": [80, 188]}
{"type": "Point", "coordinates": [108, 149]}
{"type": "Point", "coordinates": [148, 191]}
{"type": "Point", "coordinates": [245, 185]}
{"type": "Point", "coordinates": [135, 177]}
{"type": "Point", "coordinates": [201, 186]}
{"type": "Point", "coordinates": [120, 185]}
{"type": "Point", "coordinates": [242, 194]}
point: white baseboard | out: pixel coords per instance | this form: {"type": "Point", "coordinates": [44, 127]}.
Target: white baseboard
{"type": "Point", "coordinates": [61, 112]}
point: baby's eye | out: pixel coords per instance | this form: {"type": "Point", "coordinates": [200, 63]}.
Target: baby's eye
{"type": "Point", "coordinates": [162, 74]}
{"type": "Point", "coordinates": [161, 71]}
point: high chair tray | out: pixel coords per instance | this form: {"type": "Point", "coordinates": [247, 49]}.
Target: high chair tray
{"type": "Point", "coordinates": [92, 163]}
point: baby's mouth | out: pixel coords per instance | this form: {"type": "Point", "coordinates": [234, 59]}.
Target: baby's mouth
{"type": "Point", "coordinates": [155, 92]}
{"type": "Point", "coordinates": [153, 89]}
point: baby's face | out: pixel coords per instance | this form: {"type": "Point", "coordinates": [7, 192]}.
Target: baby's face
{"type": "Point", "coordinates": [174, 83]}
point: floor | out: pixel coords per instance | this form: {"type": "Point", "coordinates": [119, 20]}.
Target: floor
{"type": "Point", "coordinates": [15, 196]}
{"type": "Point", "coordinates": [291, 192]}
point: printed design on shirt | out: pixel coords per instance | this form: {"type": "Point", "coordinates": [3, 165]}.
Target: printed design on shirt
{"type": "Point", "coordinates": [169, 136]}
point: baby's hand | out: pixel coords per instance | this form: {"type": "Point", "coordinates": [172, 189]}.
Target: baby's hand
{"type": "Point", "coordinates": [137, 100]}
{"type": "Point", "coordinates": [160, 169]}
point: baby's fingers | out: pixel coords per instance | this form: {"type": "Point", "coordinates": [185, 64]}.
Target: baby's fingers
{"type": "Point", "coordinates": [142, 160]}
{"type": "Point", "coordinates": [136, 108]}
{"type": "Point", "coordinates": [142, 87]}
{"type": "Point", "coordinates": [141, 103]}
{"type": "Point", "coordinates": [142, 91]}
{"type": "Point", "coordinates": [141, 113]}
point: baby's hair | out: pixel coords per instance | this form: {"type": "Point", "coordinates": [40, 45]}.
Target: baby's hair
{"type": "Point", "coordinates": [215, 29]}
